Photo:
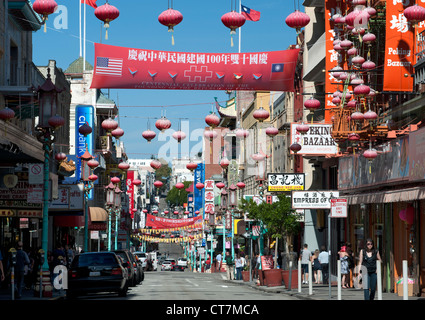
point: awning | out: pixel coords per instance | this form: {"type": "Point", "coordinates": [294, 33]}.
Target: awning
{"type": "Point", "coordinates": [410, 194]}
{"type": "Point", "coordinates": [98, 214]}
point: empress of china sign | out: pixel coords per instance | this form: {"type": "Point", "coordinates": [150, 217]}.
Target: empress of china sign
{"type": "Point", "coordinates": [313, 199]}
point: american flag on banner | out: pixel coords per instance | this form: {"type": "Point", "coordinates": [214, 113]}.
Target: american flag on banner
{"type": "Point", "coordinates": [109, 66]}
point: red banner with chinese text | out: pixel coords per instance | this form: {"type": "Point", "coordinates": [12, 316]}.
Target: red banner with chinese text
{"type": "Point", "coordinates": [130, 192]}
{"type": "Point", "coordinates": [399, 49]}
{"type": "Point", "coordinates": [163, 223]}
{"type": "Point", "coordinates": [129, 68]}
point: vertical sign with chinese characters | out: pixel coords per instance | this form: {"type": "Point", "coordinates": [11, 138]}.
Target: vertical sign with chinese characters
{"type": "Point", "coordinates": [209, 196]}
{"type": "Point", "coordinates": [399, 51]}
{"type": "Point", "coordinates": [198, 193]}
{"type": "Point", "coordinates": [130, 192]}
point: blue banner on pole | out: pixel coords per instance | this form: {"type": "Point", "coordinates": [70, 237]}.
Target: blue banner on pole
{"type": "Point", "coordinates": [199, 194]}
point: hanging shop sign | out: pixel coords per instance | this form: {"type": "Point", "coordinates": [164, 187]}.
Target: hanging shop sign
{"type": "Point", "coordinates": [313, 199]}
{"type": "Point", "coordinates": [339, 208]}
{"type": "Point", "coordinates": [285, 181]}
{"type": "Point", "coordinates": [70, 198]}
{"type": "Point", "coordinates": [130, 68]}
{"type": "Point", "coordinates": [160, 223]}
{"type": "Point", "coordinates": [317, 141]}
{"type": "Point", "coordinates": [399, 49]}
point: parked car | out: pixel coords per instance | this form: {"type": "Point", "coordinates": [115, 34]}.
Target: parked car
{"type": "Point", "coordinates": [182, 262]}
{"type": "Point", "coordinates": [142, 257]}
{"type": "Point", "coordinates": [139, 269]}
{"type": "Point", "coordinates": [132, 272]}
{"type": "Point", "coordinates": [177, 267]}
{"type": "Point", "coordinates": [94, 272]}
{"type": "Point", "coordinates": [173, 261]}
{"type": "Point", "coordinates": [166, 265]}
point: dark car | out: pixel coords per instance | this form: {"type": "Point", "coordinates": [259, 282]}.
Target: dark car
{"type": "Point", "coordinates": [131, 269]}
{"type": "Point", "coordinates": [94, 272]}
{"type": "Point", "coordinates": [176, 267]}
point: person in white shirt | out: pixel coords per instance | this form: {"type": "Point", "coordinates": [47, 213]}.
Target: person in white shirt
{"type": "Point", "coordinates": [305, 260]}
{"type": "Point", "coordinates": [324, 261]}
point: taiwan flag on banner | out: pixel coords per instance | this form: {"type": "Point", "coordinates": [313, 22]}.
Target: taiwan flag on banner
{"type": "Point", "coordinates": [91, 3]}
{"type": "Point", "coordinates": [250, 14]}
{"type": "Point", "coordinates": [277, 71]}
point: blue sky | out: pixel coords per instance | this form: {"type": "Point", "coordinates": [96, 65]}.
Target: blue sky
{"type": "Point", "coordinates": [137, 26]}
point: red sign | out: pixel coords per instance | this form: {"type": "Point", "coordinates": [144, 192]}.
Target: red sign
{"type": "Point", "coordinates": [130, 192]}
{"type": "Point", "coordinates": [163, 223]}
{"type": "Point", "coordinates": [129, 68]}
{"type": "Point", "coordinates": [399, 49]}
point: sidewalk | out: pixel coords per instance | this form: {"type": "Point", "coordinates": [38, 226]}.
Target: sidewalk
{"type": "Point", "coordinates": [28, 295]}
{"type": "Point", "coordinates": [319, 292]}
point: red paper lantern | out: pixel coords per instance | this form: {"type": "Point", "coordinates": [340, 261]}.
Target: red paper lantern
{"type": "Point", "coordinates": [145, 210]}
{"type": "Point", "coordinates": [106, 13]}
{"type": "Point", "coordinates": [357, 116]}
{"type": "Point", "coordinates": [370, 115]}
{"type": "Point", "coordinates": [137, 182]}
{"type": "Point", "coordinates": [93, 163]}
{"type": "Point", "coordinates": [295, 147]}
{"type": "Point", "coordinates": [56, 121]}
{"type": "Point", "coordinates": [224, 163]}
{"type": "Point", "coordinates": [242, 133]}
{"type": "Point", "coordinates": [92, 177]}
{"type": "Point", "coordinates": [115, 180]}
{"type": "Point", "coordinates": [414, 14]}
{"type": "Point", "coordinates": [179, 185]}
{"type": "Point", "coordinates": [369, 37]}
{"type": "Point", "coordinates": [44, 8]}
{"type": "Point", "coordinates": [240, 185]}
{"type": "Point", "coordinates": [368, 65]}
{"type": "Point", "coordinates": [353, 137]}
{"type": "Point", "coordinates": [109, 125]}
{"type": "Point", "coordinates": [212, 120]}
{"type": "Point", "coordinates": [272, 131]}
{"type": "Point", "coordinates": [155, 164]}
{"type": "Point", "coordinates": [123, 166]}
{"type": "Point", "coordinates": [170, 18]}
{"type": "Point", "coordinates": [361, 90]}
{"type": "Point", "coordinates": [358, 60]}
{"type": "Point", "coordinates": [199, 186]}
{"type": "Point", "coordinates": [261, 114]}
{"type": "Point", "coordinates": [60, 156]}
{"type": "Point", "coordinates": [233, 20]}
{"type": "Point", "coordinates": [191, 166]}
{"type": "Point", "coordinates": [370, 154]}
{"type": "Point", "coordinates": [179, 136]}
{"type": "Point", "coordinates": [297, 20]}
{"type": "Point", "coordinates": [210, 134]}
{"type": "Point", "coordinates": [312, 104]}
{"type": "Point", "coordinates": [257, 157]}
{"type": "Point", "coordinates": [7, 114]}
{"type": "Point", "coordinates": [163, 124]}
{"type": "Point", "coordinates": [219, 185]}
{"type": "Point", "coordinates": [117, 133]}
{"type": "Point", "coordinates": [85, 129]}
{"type": "Point", "coordinates": [148, 135]}
{"type": "Point", "coordinates": [302, 128]}
{"type": "Point", "coordinates": [351, 104]}
{"type": "Point", "coordinates": [158, 184]}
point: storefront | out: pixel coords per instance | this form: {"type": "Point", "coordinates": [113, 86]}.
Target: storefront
{"type": "Point", "coordinates": [386, 201]}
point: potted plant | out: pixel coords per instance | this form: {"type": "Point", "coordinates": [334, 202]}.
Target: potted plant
{"type": "Point", "coordinates": [245, 274]}
{"type": "Point", "coordinates": [281, 223]}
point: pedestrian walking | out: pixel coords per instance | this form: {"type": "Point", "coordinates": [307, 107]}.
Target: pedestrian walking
{"type": "Point", "coordinates": [343, 256]}
{"type": "Point", "coordinates": [239, 266]}
{"type": "Point", "coordinates": [317, 268]}
{"type": "Point", "coordinates": [22, 260]}
{"type": "Point", "coordinates": [230, 266]}
{"type": "Point", "coordinates": [324, 263]}
{"type": "Point", "coordinates": [367, 260]}
{"type": "Point", "coordinates": [305, 257]}
{"type": "Point", "coordinates": [218, 258]}
{"type": "Point", "coordinates": [351, 263]}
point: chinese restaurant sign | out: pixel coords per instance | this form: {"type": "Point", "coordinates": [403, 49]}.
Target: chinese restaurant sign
{"type": "Point", "coordinates": [129, 68]}
{"type": "Point", "coordinates": [285, 181]}
{"type": "Point", "coordinates": [313, 199]}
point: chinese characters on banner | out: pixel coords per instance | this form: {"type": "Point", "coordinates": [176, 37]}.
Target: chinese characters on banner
{"type": "Point", "coordinates": [130, 68]}
{"type": "Point", "coordinates": [399, 50]}
{"type": "Point", "coordinates": [130, 192]}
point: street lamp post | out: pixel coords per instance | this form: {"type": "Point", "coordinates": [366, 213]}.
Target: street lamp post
{"type": "Point", "coordinates": [48, 124]}
{"type": "Point", "coordinates": [117, 205]}
{"type": "Point", "coordinates": [110, 202]}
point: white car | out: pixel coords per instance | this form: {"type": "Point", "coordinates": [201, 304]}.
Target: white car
{"type": "Point", "coordinates": [142, 257]}
{"type": "Point", "coordinates": [166, 265]}
{"type": "Point", "coordinates": [182, 262]}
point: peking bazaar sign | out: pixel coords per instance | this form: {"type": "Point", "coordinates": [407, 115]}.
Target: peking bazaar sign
{"type": "Point", "coordinates": [130, 68]}
{"type": "Point", "coordinates": [163, 223]}
{"type": "Point", "coordinates": [399, 48]}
